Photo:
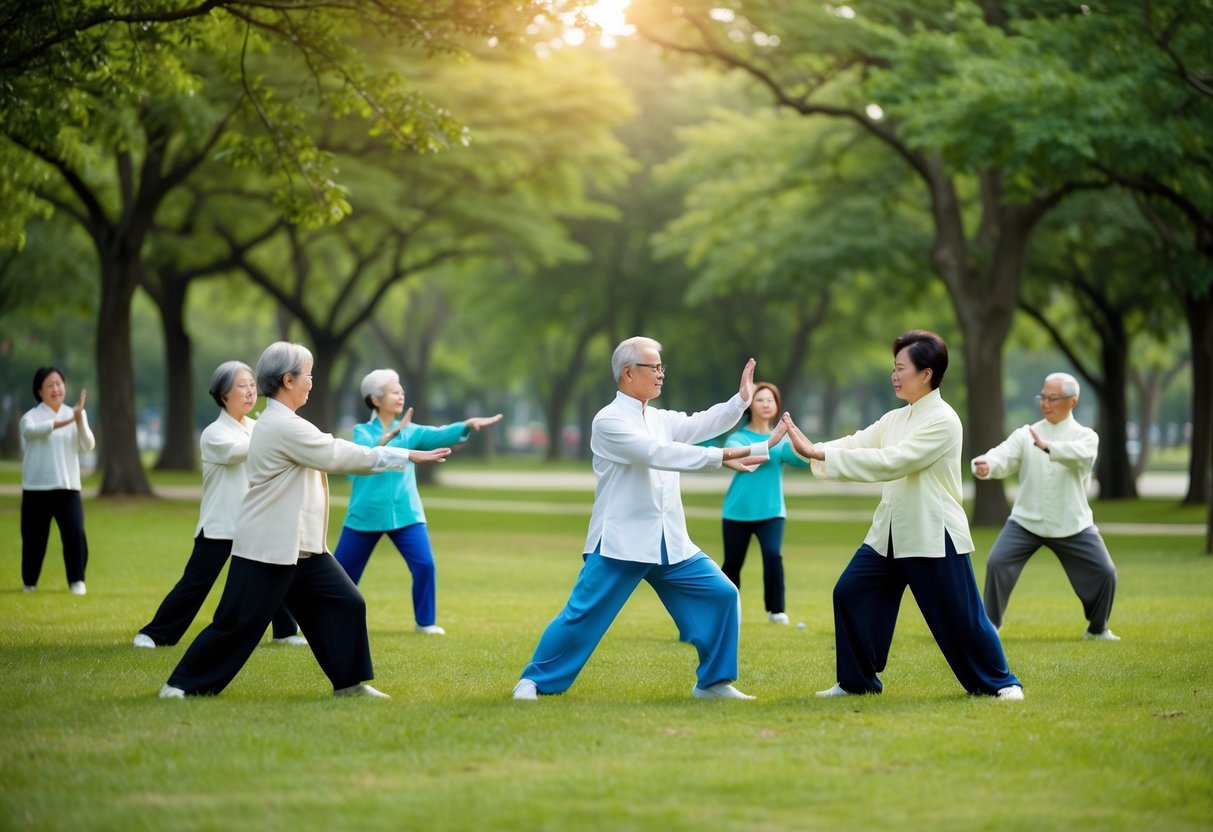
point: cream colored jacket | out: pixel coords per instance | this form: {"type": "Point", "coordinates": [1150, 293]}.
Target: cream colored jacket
{"type": "Point", "coordinates": [915, 450]}
{"type": "Point", "coordinates": [286, 509]}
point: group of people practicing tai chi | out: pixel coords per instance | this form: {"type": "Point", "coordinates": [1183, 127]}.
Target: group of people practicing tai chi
{"type": "Point", "coordinates": [265, 507]}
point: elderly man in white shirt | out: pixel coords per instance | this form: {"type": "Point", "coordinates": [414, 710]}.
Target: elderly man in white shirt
{"type": "Point", "coordinates": [1054, 458]}
{"type": "Point", "coordinates": [919, 537]}
{"type": "Point", "coordinates": [54, 435]}
{"type": "Point", "coordinates": [638, 530]}
{"type": "Point", "coordinates": [280, 554]}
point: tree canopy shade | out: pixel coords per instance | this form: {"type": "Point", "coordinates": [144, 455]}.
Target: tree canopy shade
{"type": "Point", "coordinates": [108, 107]}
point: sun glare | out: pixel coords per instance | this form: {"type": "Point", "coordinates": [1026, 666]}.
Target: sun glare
{"type": "Point", "coordinates": [610, 16]}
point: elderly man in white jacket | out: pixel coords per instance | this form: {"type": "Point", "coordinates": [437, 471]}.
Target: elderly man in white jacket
{"type": "Point", "coordinates": [280, 553]}
{"type": "Point", "coordinates": [638, 530]}
{"type": "Point", "coordinates": [1054, 458]}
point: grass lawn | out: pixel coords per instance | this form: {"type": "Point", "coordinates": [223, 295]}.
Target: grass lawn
{"type": "Point", "coordinates": [1111, 736]}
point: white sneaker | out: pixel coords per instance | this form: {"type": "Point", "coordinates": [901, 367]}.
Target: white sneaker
{"type": "Point", "coordinates": [142, 640]}
{"type": "Point", "coordinates": [77, 588]}
{"type": "Point", "coordinates": [170, 692]}
{"type": "Point", "coordinates": [297, 639]}
{"type": "Point", "coordinates": [1013, 692]}
{"type": "Point", "coordinates": [1106, 635]}
{"type": "Point", "coordinates": [431, 630]}
{"type": "Point", "coordinates": [778, 617]}
{"type": "Point", "coordinates": [28, 588]}
{"type": "Point", "coordinates": [720, 690]}
{"type": "Point", "coordinates": [361, 690]}
{"type": "Point", "coordinates": [526, 691]}
{"type": "Point", "coordinates": [835, 691]}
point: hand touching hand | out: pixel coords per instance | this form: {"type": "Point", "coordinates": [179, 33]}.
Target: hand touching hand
{"type": "Point", "coordinates": [801, 443]}
{"type": "Point", "coordinates": [780, 431]}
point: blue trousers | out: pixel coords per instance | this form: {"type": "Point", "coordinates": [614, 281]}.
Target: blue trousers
{"type": "Point", "coordinates": [413, 542]}
{"type": "Point", "coordinates": [866, 601]}
{"type": "Point", "coordinates": [700, 599]}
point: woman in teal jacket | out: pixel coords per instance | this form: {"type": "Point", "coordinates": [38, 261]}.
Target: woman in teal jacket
{"type": "Point", "coordinates": [389, 502]}
{"type": "Point", "coordinates": [754, 504]}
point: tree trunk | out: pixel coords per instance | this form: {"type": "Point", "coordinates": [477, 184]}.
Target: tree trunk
{"type": "Point", "coordinates": [321, 410]}
{"type": "Point", "coordinates": [178, 452]}
{"type": "Point", "coordinates": [1200, 464]}
{"type": "Point", "coordinates": [121, 467]}
{"type": "Point", "coordinates": [1112, 468]}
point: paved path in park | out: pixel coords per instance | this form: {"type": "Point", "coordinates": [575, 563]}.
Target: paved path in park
{"type": "Point", "coordinates": [519, 482]}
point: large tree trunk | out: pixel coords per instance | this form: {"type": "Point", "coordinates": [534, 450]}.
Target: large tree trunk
{"type": "Point", "coordinates": [121, 467]}
{"type": "Point", "coordinates": [178, 452]}
{"type": "Point", "coordinates": [321, 404]}
{"type": "Point", "coordinates": [1112, 468]}
{"type": "Point", "coordinates": [1200, 464]}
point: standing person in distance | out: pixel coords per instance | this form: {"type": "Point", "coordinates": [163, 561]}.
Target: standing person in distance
{"type": "Point", "coordinates": [54, 435]}
{"type": "Point", "coordinates": [638, 530]}
{"type": "Point", "coordinates": [754, 505]}
{"type": "Point", "coordinates": [1054, 458]}
{"type": "Point", "coordinates": [224, 444]}
{"type": "Point", "coordinates": [919, 536]}
{"type": "Point", "coordinates": [390, 503]}
{"type": "Point", "coordinates": [279, 551]}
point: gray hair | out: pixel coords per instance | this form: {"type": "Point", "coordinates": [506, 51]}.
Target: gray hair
{"type": "Point", "coordinates": [1069, 384]}
{"type": "Point", "coordinates": [224, 377]}
{"type": "Point", "coordinates": [375, 383]}
{"type": "Point", "coordinates": [628, 352]}
{"type": "Point", "coordinates": [280, 359]}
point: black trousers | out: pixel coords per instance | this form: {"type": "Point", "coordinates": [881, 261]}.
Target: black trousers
{"type": "Point", "coordinates": [179, 608]}
{"type": "Point", "coordinates": [770, 539]}
{"type": "Point", "coordinates": [38, 508]}
{"type": "Point", "coordinates": [329, 608]}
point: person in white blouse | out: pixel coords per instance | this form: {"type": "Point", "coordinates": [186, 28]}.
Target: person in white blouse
{"type": "Point", "coordinates": [224, 444]}
{"type": "Point", "coordinates": [638, 530]}
{"type": "Point", "coordinates": [53, 435]}
{"type": "Point", "coordinates": [919, 537]}
{"type": "Point", "coordinates": [1054, 458]}
{"type": "Point", "coordinates": [279, 549]}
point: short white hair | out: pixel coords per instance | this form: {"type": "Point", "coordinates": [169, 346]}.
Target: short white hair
{"type": "Point", "coordinates": [628, 352]}
{"type": "Point", "coordinates": [280, 359]}
{"type": "Point", "coordinates": [1069, 384]}
{"type": "Point", "coordinates": [375, 383]}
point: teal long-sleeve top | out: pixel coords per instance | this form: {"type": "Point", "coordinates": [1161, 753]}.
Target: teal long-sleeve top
{"type": "Point", "coordinates": [389, 500]}
{"type": "Point", "coordinates": [758, 494]}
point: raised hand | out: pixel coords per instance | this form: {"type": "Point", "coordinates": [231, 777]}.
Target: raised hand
{"type": "Point", "coordinates": [1040, 443]}
{"type": "Point", "coordinates": [478, 422]}
{"type": "Point", "coordinates": [747, 381]}
{"type": "Point", "coordinates": [391, 434]}
{"type": "Point", "coordinates": [780, 431]}
{"type": "Point", "coordinates": [79, 408]}
{"type": "Point", "coordinates": [801, 443]}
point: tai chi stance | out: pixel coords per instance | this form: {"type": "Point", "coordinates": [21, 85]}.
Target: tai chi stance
{"type": "Point", "coordinates": [1053, 458]}
{"type": "Point", "coordinates": [754, 504]}
{"type": "Point", "coordinates": [919, 535]}
{"type": "Point", "coordinates": [279, 553]}
{"type": "Point", "coordinates": [638, 530]}
{"type": "Point", "coordinates": [390, 503]}
{"type": "Point", "coordinates": [224, 445]}
{"type": "Point", "coordinates": [54, 436]}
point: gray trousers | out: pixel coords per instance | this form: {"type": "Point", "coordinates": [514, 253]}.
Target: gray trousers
{"type": "Point", "coordinates": [1084, 557]}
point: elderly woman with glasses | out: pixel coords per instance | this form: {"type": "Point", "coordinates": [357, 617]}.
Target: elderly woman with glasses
{"type": "Point", "coordinates": [919, 536]}
{"type": "Point", "coordinates": [279, 551]}
{"type": "Point", "coordinates": [1053, 458]}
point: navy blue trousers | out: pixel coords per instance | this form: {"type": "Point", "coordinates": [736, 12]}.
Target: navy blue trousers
{"type": "Point", "coordinates": [38, 509]}
{"type": "Point", "coordinates": [868, 596]}
{"type": "Point", "coordinates": [770, 540]}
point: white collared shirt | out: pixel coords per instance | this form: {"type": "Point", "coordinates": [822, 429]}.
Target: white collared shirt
{"type": "Point", "coordinates": [52, 457]}
{"type": "Point", "coordinates": [224, 445]}
{"type": "Point", "coordinates": [915, 451]}
{"type": "Point", "coordinates": [1052, 499]}
{"type": "Point", "coordinates": [639, 452]}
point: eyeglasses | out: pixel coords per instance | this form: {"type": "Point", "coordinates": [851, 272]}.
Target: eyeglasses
{"type": "Point", "coordinates": [657, 368]}
{"type": "Point", "coordinates": [1050, 399]}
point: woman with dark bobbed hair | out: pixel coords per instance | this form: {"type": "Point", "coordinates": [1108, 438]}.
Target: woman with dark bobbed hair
{"type": "Point", "coordinates": [224, 444]}
{"type": "Point", "coordinates": [54, 435]}
{"type": "Point", "coordinates": [279, 550]}
{"type": "Point", "coordinates": [919, 535]}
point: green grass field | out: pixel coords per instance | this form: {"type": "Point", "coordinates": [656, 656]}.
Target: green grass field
{"type": "Point", "coordinates": [1112, 736]}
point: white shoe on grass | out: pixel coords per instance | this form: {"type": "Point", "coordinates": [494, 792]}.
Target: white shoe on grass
{"type": "Point", "coordinates": [361, 690]}
{"type": "Point", "coordinates": [1012, 692]}
{"type": "Point", "coordinates": [297, 639]}
{"type": "Point", "coordinates": [778, 618]}
{"type": "Point", "coordinates": [1105, 635]}
{"type": "Point", "coordinates": [170, 692]}
{"type": "Point", "coordinates": [834, 691]}
{"type": "Point", "coordinates": [28, 588]}
{"type": "Point", "coordinates": [720, 690]}
{"type": "Point", "coordinates": [77, 588]}
{"type": "Point", "coordinates": [143, 640]}
{"type": "Point", "coordinates": [431, 629]}
{"type": "Point", "coordinates": [526, 691]}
